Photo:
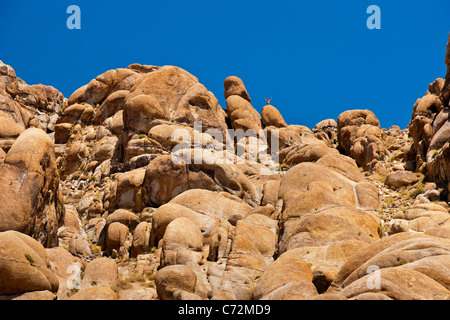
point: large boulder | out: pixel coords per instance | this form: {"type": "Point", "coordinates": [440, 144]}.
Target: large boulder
{"type": "Point", "coordinates": [404, 266]}
{"type": "Point", "coordinates": [95, 293]}
{"type": "Point", "coordinates": [213, 204]}
{"type": "Point", "coordinates": [126, 191]}
{"type": "Point", "coordinates": [165, 179]}
{"type": "Point", "coordinates": [327, 211]}
{"type": "Point", "coordinates": [24, 265]}
{"type": "Point", "coordinates": [281, 273]}
{"type": "Point", "coordinates": [174, 282]}
{"type": "Point", "coordinates": [176, 94]}
{"type": "Point", "coordinates": [235, 86]}
{"type": "Point", "coordinates": [30, 202]}
{"type": "Point", "coordinates": [139, 111]}
{"type": "Point", "coordinates": [326, 130]}
{"type": "Point", "coordinates": [272, 117]}
{"type": "Point", "coordinates": [23, 106]}
{"type": "Point", "coordinates": [242, 115]}
{"type": "Point", "coordinates": [239, 108]}
{"type": "Point", "coordinates": [399, 179]}
{"type": "Point", "coordinates": [360, 137]}
{"type": "Point", "coordinates": [420, 218]}
{"type": "Point", "coordinates": [167, 213]}
{"type": "Point", "coordinates": [429, 129]}
{"type": "Point", "coordinates": [100, 272]}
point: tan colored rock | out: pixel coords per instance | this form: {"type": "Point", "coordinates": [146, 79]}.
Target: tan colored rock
{"type": "Point", "coordinates": [263, 238]}
{"type": "Point", "coordinates": [164, 180]}
{"type": "Point", "coordinates": [139, 111]}
{"type": "Point", "coordinates": [124, 217]}
{"type": "Point", "coordinates": [360, 136]}
{"type": "Point", "coordinates": [242, 115]}
{"type": "Point", "coordinates": [24, 265]}
{"type": "Point", "coordinates": [280, 273]}
{"type": "Point", "coordinates": [172, 281]}
{"type": "Point", "coordinates": [126, 191]}
{"type": "Point", "coordinates": [440, 232]}
{"type": "Point", "coordinates": [181, 97]}
{"type": "Point", "coordinates": [30, 202]}
{"type": "Point", "coordinates": [421, 126]}
{"type": "Point", "coordinates": [306, 152]}
{"type": "Point", "coordinates": [75, 154]}
{"type": "Point", "coordinates": [141, 146]}
{"type": "Point", "coordinates": [400, 284]}
{"type": "Point", "coordinates": [420, 218]}
{"type": "Point", "coordinates": [100, 272]}
{"type": "Point", "coordinates": [95, 293]}
{"type": "Point", "coordinates": [104, 149]}
{"type": "Point", "coordinates": [32, 295]}
{"type": "Point", "coordinates": [326, 261]}
{"type": "Point", "coordinates": [407, 263]}
{"type": "Point", "coordinates": [167, 213]}
{"type": "Point", "coordinates": [234, 86]}
{"type": "Point", "coordinates": [2, 156]}
{"type": "Point", "coordinates": [63, 132]}
{"type": "Point", "coordinates": [310, 172]}
{"type": "Point", "coordinates": [297, 290]}
{"type": "Point", "coordinates": [103, 85]}
{"type": "Point", "coordinates": [117, 238]}
{"type": "Point", "coordinates": [326, 130]}
{"type": "Point", "coordinates": [182, 232]}
{"type": "Point", "coordinates": [61, 260]}
{"type": "Point", "coordinates": [110, 106]}
{"type": "Point", "coordinates": [272, 117]}
{"type": "Point", "coordinates": [23, 106]}
{"type": "Point", "coordinates": [400, 179]}
{"type": "Point", "coordinates": [213, 204]}
{"type": "Point", "coordinates": [328, 226]}
{"type": "Point", "coordinates": [141, 239]}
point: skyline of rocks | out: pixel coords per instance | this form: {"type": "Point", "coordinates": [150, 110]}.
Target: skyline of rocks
{"type": "Point", "coordinates": [349, 211]}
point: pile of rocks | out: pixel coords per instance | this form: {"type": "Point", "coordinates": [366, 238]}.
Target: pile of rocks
{"type": "Point", "coordinates": [94, 205]}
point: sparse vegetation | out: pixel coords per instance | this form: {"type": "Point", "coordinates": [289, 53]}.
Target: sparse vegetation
{"type": "Point", "coordinates": [435, 153]}
{"type": "Point", "coordinates": [413, 194]}
{"type": "Point", "coordinates": [29, 258]}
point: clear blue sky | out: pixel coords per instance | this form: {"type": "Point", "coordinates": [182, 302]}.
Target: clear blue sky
{"type": "Point", "coordinates": [316, 59]}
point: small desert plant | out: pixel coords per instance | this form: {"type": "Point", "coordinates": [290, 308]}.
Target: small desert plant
{"type": "Point", "coordinates": [400, 262]}
{"type": "Point", "coordinates": [29, 258]}
{"type": "Point", "coordinates": [435, 153]}
{"type": "Point", "coordinates": [134, 277]}
{"type": "Point", "coordinates": [415, 193]}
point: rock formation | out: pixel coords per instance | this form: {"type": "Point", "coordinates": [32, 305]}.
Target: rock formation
{"type": "Point", "coordinates": [117, 193]}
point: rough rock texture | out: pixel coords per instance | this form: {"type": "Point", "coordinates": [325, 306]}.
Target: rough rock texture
{"type": "Point", "coordinates": [23, 106]}
{"type": "Point", "coordinates": [272, 117]}
{"type": "Point", "coordinates": [239, 108]}
{"type": "Point", "coordinates": [30, 202]}
{"type": "Point", "coordinates": [327, 130]}
{"type": "Point", "coordinates": [137, 201]}
{"type": "Point", "coordinates": [360, 135]}
{"type": "Point", "coordinates": [401, 267]}
{"type": "Point", "coordinates": [24, 265]}
{"type": "Point", "coordinates": [400, 178]}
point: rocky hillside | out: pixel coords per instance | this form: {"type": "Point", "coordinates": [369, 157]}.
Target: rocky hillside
{"type": "Point", "coordinates": [141, 186]}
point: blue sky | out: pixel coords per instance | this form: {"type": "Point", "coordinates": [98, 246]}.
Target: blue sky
{"type": "Point", "coordinates": [315, 59]}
